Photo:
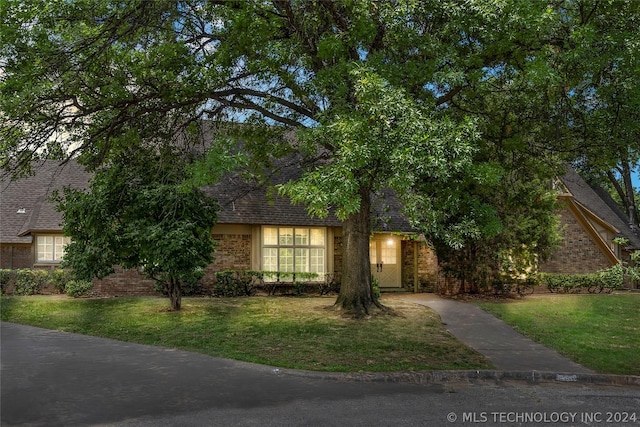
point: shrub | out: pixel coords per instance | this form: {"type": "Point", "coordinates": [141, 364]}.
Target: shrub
{"type": "Point", "coordinates": [376, 287]}
{"type": "Point", "coordinates": [6, 277]}
{"type": "Point", "coordinates": [601, 281]}
{"type": "Point", "coordinates": [30, 282]}
{"type": "Point", "coordinates": [78, 288]}
{"type": "Point", "coordinates": [59, 278]}
{"type": "Point", "coordinates": [232, 283]}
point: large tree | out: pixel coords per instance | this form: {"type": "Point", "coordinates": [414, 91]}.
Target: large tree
{"type": "Point", "coordinates": [381, 92]}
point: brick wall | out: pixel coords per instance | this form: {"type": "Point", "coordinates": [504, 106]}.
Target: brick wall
{"type": "Point", "coordinates": [578, 252]}
{"type": "Point", "coordinates": [124, 283]}
{"type": "Point", "coordinates": [232, 252]}
{"type": "Point", "coordinates": [427, 267]}
{"type": "Point", "coordinates": [17, 255]}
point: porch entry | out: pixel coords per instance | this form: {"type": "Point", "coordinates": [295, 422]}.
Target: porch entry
{"type": "Point", "coordinates": [384, 252]}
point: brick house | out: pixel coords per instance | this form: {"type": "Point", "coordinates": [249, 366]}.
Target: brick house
{"type": "Point", "coordinates": [258, 232]}
{"type": "Point", "coordinates": [591, 220]}
{"type": "Point", "coordinates": [253, 232]}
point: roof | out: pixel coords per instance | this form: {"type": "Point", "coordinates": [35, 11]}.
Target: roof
{"type": "Point", "coordinates": [246, 202]}
{"type": "Point", "coordinates": [600, 203]}
{"type": "Point", "coordinates": [25, 207]}
{"type": "Point", "coordinates": [24, 203]}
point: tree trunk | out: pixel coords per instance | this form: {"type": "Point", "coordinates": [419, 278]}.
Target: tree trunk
{"type": "Point", "coordinates": [175, 293]}
{"type": "Point", "coordinates": [356, 290]}
{"type": "Point", "coordinates": [630, 202]}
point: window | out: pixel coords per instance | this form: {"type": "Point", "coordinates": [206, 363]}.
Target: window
{"type": "Point", "coordinates": [51, 248]}
{"type": "Point", "coordinates": [294, 249]}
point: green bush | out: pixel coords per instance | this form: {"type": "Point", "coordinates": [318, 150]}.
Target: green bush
{"type": "Point", "coordinates": [30, 282]}
{"type": "Point", "coordinates": [6, 277]}
{"type": "Point", "coordinates": [59, 278]}
{"type": "Point", "coordinates": [376, 287]}
{"type": "Point", "coordinates": [232, 283]}
{"type": "Point", "coordinates": [78, 288]}
{"type": "Point", "coordinates": [601, 281]}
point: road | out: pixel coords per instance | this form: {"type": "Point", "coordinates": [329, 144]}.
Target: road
{"type": "Point", "coordinates": [51, 378]}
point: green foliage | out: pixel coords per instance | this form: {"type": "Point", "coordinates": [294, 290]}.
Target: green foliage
{"type": "Point", "coordinates": [6, 277]}
{"type": "Point", "coordinates": [602, 281]}
{"type": "Point", "coordinates": [448, 103]}
{"type": "Point", "coordinates": [78, 288]}
{"type": "Point", "coordinates": [59, 278]}
{"type": "Point", "coordinates": [232, 283]}
{"type": "Point", "coordinates": [30, 282]}
{"type": "Point", "coordinates": [139, 212]}
{"type": "Point", "coordinates": [375, 286]}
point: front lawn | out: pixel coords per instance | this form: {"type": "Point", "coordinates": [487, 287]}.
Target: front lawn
{"type": "Point", "coordinates": [601, 332]}
{"type": "Point", "coordinates": [287, 332]}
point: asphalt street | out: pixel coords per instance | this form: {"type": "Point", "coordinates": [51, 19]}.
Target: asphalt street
{"type": "Point", "coordinates": [51, 378]}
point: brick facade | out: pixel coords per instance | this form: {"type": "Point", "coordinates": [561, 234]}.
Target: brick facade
{"type": "Point", "coordinates": [16, 255]}
{"type": "Point", "coordinates": [124, 283]}
{"type": "Point", "coordinates": [232, 252]}
{"type": "Point", "coordinates": [578, 252]}
{"type": "Point", "coordinates": [427, 267]}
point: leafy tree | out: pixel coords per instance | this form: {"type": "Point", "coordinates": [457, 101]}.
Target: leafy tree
{"type": "Point", "coordinates": [391, 93]}
{"type": "Point", "coordinates": [602, 71]}
{"type": "Point", "coordinates": [140, 212]}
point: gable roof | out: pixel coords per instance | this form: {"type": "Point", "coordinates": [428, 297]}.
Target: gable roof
{"type": "Point", "coordinates": [598, 202]}
{"type": "Point", "coordinates": [24, 203]}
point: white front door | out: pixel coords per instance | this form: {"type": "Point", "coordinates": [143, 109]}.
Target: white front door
{"type": "Point", "coordinates": [384, 251]}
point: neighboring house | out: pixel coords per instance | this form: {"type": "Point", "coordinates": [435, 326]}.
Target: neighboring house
{"type": "Point", "coordinates": [30, 226]}
{"type": "Point", "coordinates": [591, 221]}
{"type": "Point", "coordinates": [253, 232]}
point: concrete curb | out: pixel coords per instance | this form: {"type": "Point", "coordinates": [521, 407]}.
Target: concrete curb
{"type": "Point", "coordinates": [441, 377]}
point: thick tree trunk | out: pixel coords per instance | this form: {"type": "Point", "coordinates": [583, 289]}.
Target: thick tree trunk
{"type": "Point", "coordinates": [356, 291]}
{"type": "Point", "coordinates": [175, 293]}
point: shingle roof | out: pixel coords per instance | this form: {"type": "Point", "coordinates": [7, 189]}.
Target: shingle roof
{"type": "Point", "coordinates": [243, 202]}
{"type": "Point", "coordinates": [599, 202]}
{"type": "Point", "coordinates": [25, 205]}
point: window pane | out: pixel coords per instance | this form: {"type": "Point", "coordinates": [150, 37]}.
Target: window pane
{"type": "Point", "coordinates": [302, 236]}
{"type": "Point", "coordinates": [286, 236]}
{"type": "Point", "coordinates": [317, 261]}
{"type": "Point", "coordinates": [373, 256]}
{"type": "Point", "coordinates": [317, 237]}
{"type": "Point", "coordinates": [60, 243]}
{"type": "Point", "coordinates": [286, 260]}
{"type": "Point", "coordinates": [302, 260]}
{"type": "Point", "coordinates": [45, 248]}
{"type": "Point", "coordinates": [388, 252]}
{"type": "Point", "coordinates": [270, 259]}
{"type": "Point", "coordinates": [270, 236]}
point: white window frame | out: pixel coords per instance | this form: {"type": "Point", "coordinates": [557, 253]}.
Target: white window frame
{"type": "Point", "coordinates": [280, 248]}
{"type": "Point", "coordinates": [50, 248]}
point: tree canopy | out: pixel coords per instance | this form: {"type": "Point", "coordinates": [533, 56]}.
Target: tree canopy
{"type": "Point", "coordinates": [435, 99]}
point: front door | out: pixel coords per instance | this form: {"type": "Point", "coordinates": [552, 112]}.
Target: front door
{"type": "Point", "coordinates": [384, 251]}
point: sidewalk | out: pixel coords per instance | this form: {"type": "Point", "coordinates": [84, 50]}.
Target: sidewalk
{"type": "Point", "coordinates": [505, 348]}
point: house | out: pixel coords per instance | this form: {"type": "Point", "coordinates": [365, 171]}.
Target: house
{"type": "Point", "coordinates": [259, 231]}
{"type": "Point", "coordinates": [591, 222]}
{"type": "Point", "coordinates": [254, 232]}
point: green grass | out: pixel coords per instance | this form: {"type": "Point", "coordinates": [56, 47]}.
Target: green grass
{"type": "Point", "coordinates": [601, 332]}
{"type": "Point", "coordinates": [287, 332]}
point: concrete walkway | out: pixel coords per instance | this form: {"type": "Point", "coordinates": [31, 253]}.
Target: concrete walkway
{"type": "Point", "coordinates": [506, 348]}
